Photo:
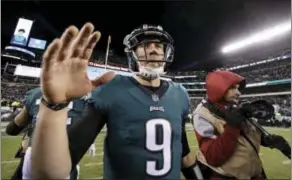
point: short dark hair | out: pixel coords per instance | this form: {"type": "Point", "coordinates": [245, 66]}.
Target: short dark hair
{"type": "Point", "coordinates": [19, 30]}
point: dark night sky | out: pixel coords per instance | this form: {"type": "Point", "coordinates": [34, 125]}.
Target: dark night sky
{"type": "Point", "coordinates": [200, 27]}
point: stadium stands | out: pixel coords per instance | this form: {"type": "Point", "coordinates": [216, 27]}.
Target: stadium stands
{"type": "Point", "coordinates": [276, 71]}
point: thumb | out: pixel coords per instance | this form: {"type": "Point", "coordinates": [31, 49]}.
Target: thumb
{"type": "Point", "coordinates": [103, 79]}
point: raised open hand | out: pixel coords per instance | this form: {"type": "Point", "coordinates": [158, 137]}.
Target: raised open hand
{"type": "Point", "coordinates": [64, 71]}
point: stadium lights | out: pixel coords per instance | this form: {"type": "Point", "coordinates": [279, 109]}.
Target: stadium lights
{"type": "Point", "coordinates": [258, 37]}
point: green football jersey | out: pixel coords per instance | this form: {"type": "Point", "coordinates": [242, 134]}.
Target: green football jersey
{"type": "Point", "coordinates": [33, 99]}
{"type": "Point", "coordinates": [143, 139]}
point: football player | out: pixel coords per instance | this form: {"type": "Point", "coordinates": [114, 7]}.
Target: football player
{"type": "Point", "coordinates": [19, 122]}
{"type": "Point", "coordinates": [29, 114]}
{"type": "Point", "coordinates": [21, 153]}
{"type": "Point", "coordinates": [144, 114]}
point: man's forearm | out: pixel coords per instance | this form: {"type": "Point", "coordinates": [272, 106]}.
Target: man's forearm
{"type": "Point", "coordinates": [188, 160]}
{"type": "Point", "coordinates": [50, 149]}
{"type": "Point", "coordinates": [190, 168]}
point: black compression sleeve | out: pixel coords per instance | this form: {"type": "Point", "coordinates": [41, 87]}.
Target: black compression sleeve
{"type": "Point", "coordinates": [184, 141]}
{"type": "Point", "coordinates": [193, 172]}
{"type": "Point", "coordinates": [13, 129]}
{"type": "Point", "coordinates": [82, 134]}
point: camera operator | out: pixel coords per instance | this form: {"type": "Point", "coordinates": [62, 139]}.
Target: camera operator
{"type": "Point", "coordinates": [228, 144]}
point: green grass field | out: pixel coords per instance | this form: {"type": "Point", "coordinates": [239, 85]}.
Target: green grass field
{"type": "Point", "coordinates": [276, 165]}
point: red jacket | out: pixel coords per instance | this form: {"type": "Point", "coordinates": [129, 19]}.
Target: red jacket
{"type": "Point", "coordinates": [216, 148]}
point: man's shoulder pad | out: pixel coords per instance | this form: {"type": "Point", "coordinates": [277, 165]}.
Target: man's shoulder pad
{"type": "Point", "coordinates": [120, 78]}
{"type": "Point", "coordinates": [115, 81]}
{"type": "Point", "coordinates": [108, 88]}
{"type": "Point", "coordinates": [31, 97]}
{"type": "Point", "coordinates": [34, 93]}
{"type": "Point", "coordinates": [178, 86]}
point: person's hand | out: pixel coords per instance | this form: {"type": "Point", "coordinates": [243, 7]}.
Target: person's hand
{"type": "Point", "coordinates": [278, 142]}
{"type": "Point", "coordinates": [231, 114]}
{"type": "Point", "coordinates": [64, 69]}
{"type": "Point", "coordinates": [106, 77]}
{"type": "Point", "coordinates": [234, 117]}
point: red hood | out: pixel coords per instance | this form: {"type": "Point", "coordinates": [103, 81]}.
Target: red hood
{"type": "Point", "coordinates": [218, 82]}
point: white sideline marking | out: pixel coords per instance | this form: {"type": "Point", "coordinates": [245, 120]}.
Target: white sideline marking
{"type": "Point", "coordinates": [8, 162]}
{"type": "Point", "coordinates": [94, 164]}
{"type": "Point", "coordinates": [99, 154]}
{"type": "Point", "coordinates": [286, 162]}
{"type": "Point", "coordinates": [261, 154]}
{"type": "Point", "coordinates": [10, 137]}
{"type": "Point", "coordinates": [96, 177]}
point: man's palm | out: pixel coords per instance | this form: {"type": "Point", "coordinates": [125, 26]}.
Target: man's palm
{"type": "Point", "coordinates": [64, 72]}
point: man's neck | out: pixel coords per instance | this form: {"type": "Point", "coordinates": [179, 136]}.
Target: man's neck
{"type": "Point", "coordinates": [152, 83]}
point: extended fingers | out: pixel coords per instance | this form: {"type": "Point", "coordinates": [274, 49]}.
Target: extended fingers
{"type": "Point", "coordinates": [81, 40]}
{"type": "Point", "coordinates": [93, 39]}
{"type": "Point", "coordinates": [67, 38]}
{"type": "Point", "coordinates": [74, 43]}
{"type": "Point", "coordinates": [51, 54]}
{"type": "Point", "coordinates": [103, 79]}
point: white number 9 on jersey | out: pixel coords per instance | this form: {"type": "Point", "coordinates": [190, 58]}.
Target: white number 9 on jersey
{"type": "Point", "coordinates": [164, 147]}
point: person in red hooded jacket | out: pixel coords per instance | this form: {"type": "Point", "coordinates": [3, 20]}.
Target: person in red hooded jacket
{"type": "Point", "coordinates": [228, 144]}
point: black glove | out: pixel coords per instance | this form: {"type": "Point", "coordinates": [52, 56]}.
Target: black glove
{"type": "Point", "coordinates": [234, 117]}
{"type": "Point", "coordinates": [278, 142]}
{"type": "Point", "coordinates": [232, 114]}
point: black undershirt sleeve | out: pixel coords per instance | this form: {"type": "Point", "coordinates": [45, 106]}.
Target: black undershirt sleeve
{"type": "Point", "coordinates": [188, 172]}
{"type": "Point", "coordinates": [82, 134]}
{"type": "Point", "coordinates": [184, 141]}
{"type": "Point", "coordinates": [13, 129]}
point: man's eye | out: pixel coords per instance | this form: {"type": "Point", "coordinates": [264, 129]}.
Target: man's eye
{"type": "Point", "coordinates": [159, 45]}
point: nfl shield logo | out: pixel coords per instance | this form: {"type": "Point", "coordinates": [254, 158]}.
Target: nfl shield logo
{"type": "Point", "coordinates": [155, 97]}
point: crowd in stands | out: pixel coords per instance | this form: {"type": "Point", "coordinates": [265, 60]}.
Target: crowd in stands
{"type": "Point", "coordinates": [274, 70]}
{"type": "Point", "coordinates": [14, 88]}
{"type": "Point", "coordinates": [267, 55]}
{"type": "Point", "coordinates": [268, 74]}
{"type": "Point", "coordinates": [14, 91]}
